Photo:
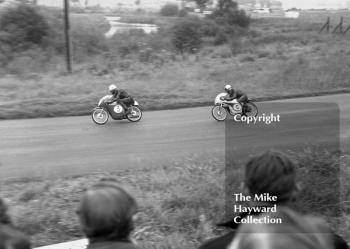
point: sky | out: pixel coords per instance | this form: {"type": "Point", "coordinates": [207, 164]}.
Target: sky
{"type": "Point", "coordinates": [307, 4]}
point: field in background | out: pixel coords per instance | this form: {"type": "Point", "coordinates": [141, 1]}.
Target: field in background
{"type": "Point", "coordinates": [276, 57]}
{"type": "Point", "coordinates": [179, 202]}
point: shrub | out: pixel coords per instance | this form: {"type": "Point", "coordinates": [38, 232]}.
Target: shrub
{"type": "Point", "coordinates": [55, 37]}
{"type": "Point", "coordinates": [127, 43]}
{"type": "Point", "coordinates": [209, 28]}
{"type": "Point", "coordinates": [236, 46]}
{"type": "Point", "coordinates": [222, 52]}
{"type": "Point", "coordinates": [247, 58]}
{"type": "Point", "coordinates": [169, 10]}
{"type": "Point", "coordinates": [228, 13]}
{"type": "Point", "coordinates": [319, 169]}
{"type": "Point", "coordinates": [31, 36]}
{"type": "Point", "coordinates": [220, 38]}
{"type": "Point", "coordinates": [23, 26]}
{"type": "Point", "coordinates": [145, 55]}
{"type": "Point", "coordinates": [136, 42]}
{"type": "Point", "coordinates": [32, 60]}
{"type": "Point", "coordinates": [183, 13]}
{"type": "Point", "coordinates": [186, 35]}
{"type": "Point", "coordinates": [125, 65]}
{"type": "Point", "coordinates": [87, 38]}
{"type": "Point", "coordinates": [263, 54]}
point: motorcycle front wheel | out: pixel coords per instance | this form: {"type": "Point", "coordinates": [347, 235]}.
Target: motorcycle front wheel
{"type": "Point", "coordinates": [219, 113]}
{"type": "Point", "coordinates": [135, 114]}
{"type": "Point", "coordinates": [100, 116]}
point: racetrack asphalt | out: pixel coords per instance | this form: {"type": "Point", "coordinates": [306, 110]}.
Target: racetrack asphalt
{"type": "Point", "coordinates": [56, 147]}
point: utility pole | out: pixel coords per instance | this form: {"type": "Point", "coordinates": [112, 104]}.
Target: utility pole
{"type": "Point", "coordinates": [67, 36]}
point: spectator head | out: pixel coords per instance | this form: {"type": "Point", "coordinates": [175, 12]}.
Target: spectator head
{"type": "Point", "coordinates": [271, 172]}
{"type": "Point", "coordinates": [106, 210]}
{"type": "Point", "coordinates": [4, 217]}
{"type": "Point", "coordinates": [10, 238]}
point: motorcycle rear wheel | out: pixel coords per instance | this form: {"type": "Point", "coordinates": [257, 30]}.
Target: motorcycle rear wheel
{"type": "Point", "coordinates": [100, 116]}
{"type": "Point", "coordinates": [135, 114]}
{"type": "Point", "coordinates": [250, 110]}
{"type": "Point", "coordinates": [219, 113]}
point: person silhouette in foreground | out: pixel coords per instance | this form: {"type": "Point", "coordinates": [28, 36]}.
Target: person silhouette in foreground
{"type": "Point", "coordinates": [274, 173]}
{"type": "Point", "coordinates": [106, 215]}
{"type": "Point", "coordinates": [11, 237]}
{"type": "Point", "coordinates": [296, 231]}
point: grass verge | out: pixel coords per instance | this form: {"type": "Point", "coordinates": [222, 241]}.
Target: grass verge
{"type": "Point", "coordinates": [180, 202]}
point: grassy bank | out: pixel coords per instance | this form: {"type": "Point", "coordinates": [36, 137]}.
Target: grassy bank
{"type": "Point", "coordinates": [276, 57]}
{"type": "Point", "coordinates": [184, 83]}
{"type": "Point", "coordinates": [180, 202]}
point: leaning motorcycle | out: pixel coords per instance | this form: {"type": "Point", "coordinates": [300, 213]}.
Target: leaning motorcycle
{"type": "Point", "coordinates": [223, 107]}
{"type": "Point", "coordinates": [104, 110]}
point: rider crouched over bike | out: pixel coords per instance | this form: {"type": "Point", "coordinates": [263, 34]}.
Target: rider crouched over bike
{"type": "Point", "coordinates": [122, 96]}
{"type": "Point", "coordinates": [232, 94]}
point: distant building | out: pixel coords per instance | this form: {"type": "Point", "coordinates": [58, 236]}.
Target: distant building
{"type": "Point", "coordinates": [259, 4]}
{"type": "Point", "coordinates": [276, 5]}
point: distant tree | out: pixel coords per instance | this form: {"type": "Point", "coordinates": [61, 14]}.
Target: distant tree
{"type": "Point", "coordinates": [183, 12]}
{"type": "Point", "coordinates": [186, 35]}
{"type": "Point", "coordinates": [201, 3]}
{"type": "Point", "coordinates": [169, 10]}
{"type": "Point", "coordinates": [227, 13]}
{"type": "Point", "coordinates": [227, 6]}
{"type": "Point", "coordinates": [24, 26]}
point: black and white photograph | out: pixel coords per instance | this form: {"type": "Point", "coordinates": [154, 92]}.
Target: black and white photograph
{"type": "Point", "coordinates": [174, 124]}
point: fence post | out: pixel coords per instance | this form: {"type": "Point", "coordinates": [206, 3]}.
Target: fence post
{"type": "Point", "coordinates": [326, 25]}
{"type": "Point", "coordinates": [339, 26]}
{"type": "Point", "coordinates": [346, 30]}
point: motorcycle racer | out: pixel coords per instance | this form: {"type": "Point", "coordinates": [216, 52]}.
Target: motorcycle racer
{"type": "Point", "coordinates": [233, 102]}
{"type": "Point", "coordinates": [122, 96]}
{"type": "Point", "coordinates": [232, 94]}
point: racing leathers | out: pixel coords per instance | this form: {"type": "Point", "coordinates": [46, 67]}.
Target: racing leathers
{"type": "Point", "coordinates": [240, 96]}
{"type": "Point", "coordinates": [123, 98]}
{"type": "Point", "coordinates": [237, 94]}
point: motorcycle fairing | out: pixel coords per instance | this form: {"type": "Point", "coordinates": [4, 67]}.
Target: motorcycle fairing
{"type": "Point", "coordinates": [218, 100]}
{"type": "Point", "coordinates": [233, 105]}
{"type": "Point", "coordinates": [104, 98]}
{"type": "Point", "coordinates": [116, 111]}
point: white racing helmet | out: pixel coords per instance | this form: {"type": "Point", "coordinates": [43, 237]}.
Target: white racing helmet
{"type": "Point", "coordinates": [228, 87]}
{"type": "Point", "coordinates": [112, 88]}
